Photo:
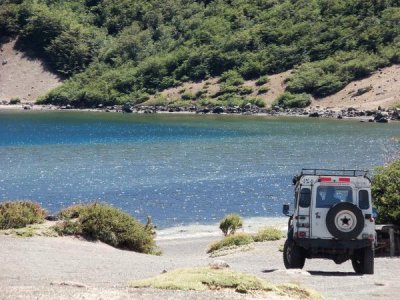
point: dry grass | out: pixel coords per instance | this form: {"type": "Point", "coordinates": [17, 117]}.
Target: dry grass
{"type": "Point", "coordinates": [204, 278]}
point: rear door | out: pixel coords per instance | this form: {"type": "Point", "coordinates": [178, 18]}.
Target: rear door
{"type": "Point", "coordinates": [324, 196]}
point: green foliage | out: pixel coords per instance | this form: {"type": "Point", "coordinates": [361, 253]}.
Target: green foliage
{"type": "Point", "coordinates": [230, 223]}
{"type": "Point", "coordinates": [71, 212]}
{"type": "Point", "coordinates": [8, 19]}
{"type": "Point", "coordinates": [20, 214]}
{"type": "Point", "coordinates": [289, 100]}
{"type": "Point", "coordinates": [109, 225]}
{"type": "Point", "coordinates": [386, 193]}
{"type": "Point", "coordinates": [267, 234]}
{"type": "Point", "coordinates": [232, 240]}
{"type": "Point", "coordinates": [263, 90]}
{"type": "Point", "coordinates": [116, 51]}
{"type": "Point", "coordinates": [262, 80]}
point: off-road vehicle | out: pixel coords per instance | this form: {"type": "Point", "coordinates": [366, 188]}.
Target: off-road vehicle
{"type": "Point", "coordinates": [332, 218]}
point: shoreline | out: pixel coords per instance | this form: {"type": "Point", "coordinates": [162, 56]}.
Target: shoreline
{"type": "Point", "coordinates": [379, 116]}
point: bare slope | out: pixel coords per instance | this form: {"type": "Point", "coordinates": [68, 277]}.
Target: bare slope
{"type": "Point", "coordinates": [22, 77]}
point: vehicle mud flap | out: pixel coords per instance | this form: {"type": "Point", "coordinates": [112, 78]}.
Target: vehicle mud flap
{"type": "Point", "coordinates": [345, 221]}
{"type": "Point", "coordinates": [293, 256]}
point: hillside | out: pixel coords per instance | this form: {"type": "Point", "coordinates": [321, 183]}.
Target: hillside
{"type": "Point", "coordinates": [115, 52]}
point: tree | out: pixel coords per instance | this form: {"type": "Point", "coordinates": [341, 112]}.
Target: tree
{"type": "Point", "coordinates": [386, 193]}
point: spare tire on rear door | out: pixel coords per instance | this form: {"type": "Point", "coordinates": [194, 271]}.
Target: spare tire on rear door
{"type": "Point", "coordinates": [345, 221]}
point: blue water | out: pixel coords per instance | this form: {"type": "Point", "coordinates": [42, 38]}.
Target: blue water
{"type": "Point", "coordinates": [178, 169]}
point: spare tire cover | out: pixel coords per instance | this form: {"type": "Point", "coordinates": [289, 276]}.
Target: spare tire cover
{"type": "Point", "coordinates": [345, 221]}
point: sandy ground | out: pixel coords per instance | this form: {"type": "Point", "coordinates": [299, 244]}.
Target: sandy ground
{"type": "Point", "coordinates": [22, 77]}
{"type": "Point", "coordinates": [70, 268]}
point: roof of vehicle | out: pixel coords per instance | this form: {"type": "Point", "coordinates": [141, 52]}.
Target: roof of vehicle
{"type": "Point", "coordinates": [330, 172]}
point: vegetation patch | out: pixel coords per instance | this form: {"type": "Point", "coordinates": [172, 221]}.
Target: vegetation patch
{"type": "Point", "coordinates": [201, 279]}
{"type": "Point", "coordinates": [238, 239]}
{"type": "Point", "coordinates": [289, 100]}
{"type": "Point", "coordinates": [267, 234]}
{"type": "Point", "coordinates": [262, 80]}
{"type": "Point", "coordinates": [20, 214]}
{"type": "Point", "coordinates": [230, 223]}
{"type": "Point", "coordinates": [386, 193]}
{"type": "Point", "coordinates": [109, 225]}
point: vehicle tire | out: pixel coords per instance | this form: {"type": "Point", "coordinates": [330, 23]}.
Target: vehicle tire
{"type": "Point", "coordinates": [368, 261]}
{"type": "Point", "coordinates": [293, 256]}
{"type": "Point", "coordinates": [357, 261]}
{"type": "Point", "coordinates": [345, 221]}
{"type": "Point", "coordinates": [363, 261]}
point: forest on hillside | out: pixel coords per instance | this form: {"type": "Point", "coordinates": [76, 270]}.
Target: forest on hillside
{"type": "Point", "coordinates": [113, 52]}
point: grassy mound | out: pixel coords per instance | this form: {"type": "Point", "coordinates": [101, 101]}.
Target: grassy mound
{"type": "Point", "coordinates": [267, 234]}
{"type": "Point", "coordinates": [201, 279]}
{"type": "Point", "coordinates": [239, 239]}
{"type": "Point", "coordinates": [242, 239]}
{"type": "Point", "coordinates": [107, 224]}
{"type": "Point", "coordinates": [20, 214]}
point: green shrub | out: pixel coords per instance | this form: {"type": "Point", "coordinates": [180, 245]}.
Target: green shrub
{"type": "Point", "coordinates": [71, 212]}
{"type": "Point", "coordinates": [14, 101]}
{"type": "Point", "coordinates": [20, 214]}
{"type": "Point", "coordinates": [238, 239]}
{"type": "Point", "coordinates": [231, 78]}
{"type": "Point", "coordinates": [245, 90]}
{"type": "Point", "coordinates": [289, 100]}
{"type": "Point", "coordinates": [230, 223]}
{"type": "Point", "coordinates": [187, 96]}
{"type": "Point", "coordinates": [263, 90]}
{"type": "Point", "coordinates": [267, 234]}
{"type": "Point", "coordinates": [386, 193]}
{"type": "Point", "coordinates": [109, 225]}
{"type": "Point", "coordinates": [262, 80]}
{"type": "Point", "coordinates": [68, 227]}
{"type": "Point", "coordinates": [254, 101]}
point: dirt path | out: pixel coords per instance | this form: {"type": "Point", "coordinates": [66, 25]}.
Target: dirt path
{"type": "Point", "coordinates": [64, 268]}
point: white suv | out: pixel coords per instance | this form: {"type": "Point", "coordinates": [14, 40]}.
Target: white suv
{"type": "Point", "coordinates": [332, 218]}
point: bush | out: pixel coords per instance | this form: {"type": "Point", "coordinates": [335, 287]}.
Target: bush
{"type": "Point", "coordinates": [71, 212]}
{"type": "Point", "coordinates": [262, 80]}
{"type": "Point", "coordinates": [14, 101]}
{"type": "Point", "coordinates": [386, 192]}
{"type": "Point", "coordinates": [239, 239]}
{"type": "Point", "coordinates": [109, 225]}
{"type": "Point", "coordinates": [231, 78]}
{"type": "Point", "coordinates": [20, 214]}
{"type": "Point", "coordinates": [245, 90]}
{"type": "Point", "coordinates": [289, 100]}
{"type": "Point", "coordinates": [254, 101]}
{"type": "Point", "coordinates": [263, 90]}
{"type": "Point", "coordinates": [230, 223]}
{"type": "Point", "coordinates": [267, 234]}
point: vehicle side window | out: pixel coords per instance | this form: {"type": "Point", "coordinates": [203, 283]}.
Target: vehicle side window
{"type": "Point", "coordinates": [363, 199]}
{"type": "Point", "coordinates": [305, 198]}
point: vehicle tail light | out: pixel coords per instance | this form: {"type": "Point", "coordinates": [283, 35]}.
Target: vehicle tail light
{"type": "Point", "coordinates": [344, 179]}
{"type": "Point", "coordinates": [302, 234]}
{"type": "Point", "coordinates": [325, 179]}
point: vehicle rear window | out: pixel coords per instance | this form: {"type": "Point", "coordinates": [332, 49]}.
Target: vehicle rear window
{"type": "Point", "coordinates": [363, 199]}
{"type": "Point", "coordinates": [327, 196]}
{"type": "Point", "coordinates": [305, 198]}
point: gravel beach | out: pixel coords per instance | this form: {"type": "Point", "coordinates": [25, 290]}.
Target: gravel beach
{"type": "Point", "coordinates": [72, 268]}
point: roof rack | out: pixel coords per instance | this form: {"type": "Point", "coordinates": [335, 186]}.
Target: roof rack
{"type": "Point", "coordinates": [327, 172]}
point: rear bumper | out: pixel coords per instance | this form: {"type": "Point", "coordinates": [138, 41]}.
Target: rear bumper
{"type": "Point", "coordinates": [333, 244]}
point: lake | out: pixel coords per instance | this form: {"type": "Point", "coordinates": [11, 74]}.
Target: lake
{"type": "Point", "coordinates": [179, 169]}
